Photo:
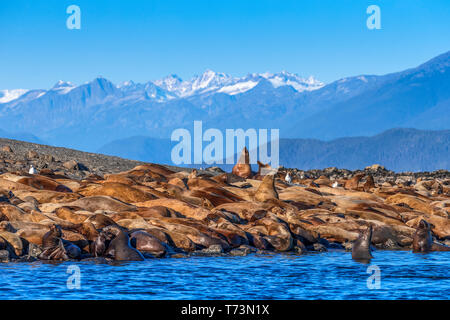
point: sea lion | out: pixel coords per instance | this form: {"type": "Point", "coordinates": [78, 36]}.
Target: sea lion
{"type": "Point", "coordinates": [242, 167]}
{"type": "Point", "coordinates": [120, 248]}
{"type": "Point", "coordinates": [100, 221]}
{"type": "Point", "coordinates": [361, 247]}
{"type": "Point", "coordinates": [99, 245]}
{"type": "Point", "coordinates": [266, 190]}
{"type": "Point", "coordinates": [352, 184]}
{"type": "Point", "coordinates": [119, 191]}
{"type": "Point", "coordinates": [53, 247]}
{"type": "Point", "coordinates": [145, 242]}
{"type": "Point", "coordinates": [369, 184]}
{"type": "Point", "coordinates": [106, 203]}
{"type": "Point", "coordinates": [423, 240]}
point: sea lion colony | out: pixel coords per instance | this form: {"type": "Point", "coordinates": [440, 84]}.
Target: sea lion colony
{"type": "Point", "coordinates": [152, 211]}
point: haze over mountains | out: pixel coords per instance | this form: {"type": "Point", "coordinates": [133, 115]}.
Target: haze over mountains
{"type": "Point", "coordinates": [93, 114]}
{"type": "Point", "coordinates": [397, 149]}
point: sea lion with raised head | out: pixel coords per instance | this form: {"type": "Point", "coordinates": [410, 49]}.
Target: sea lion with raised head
{"type": "Point", "coordinates": [120, 248]}
{"type": "Point", "coordinates": [423, 240]}
{"type": "Point", "coordinates": [242, 168]}
{"type": "Point", "coordinates": [361, 247]}
{"type": "Point", "coordinates": [266, 190]}
{"type": "Point", "coordinates": [54, 248]}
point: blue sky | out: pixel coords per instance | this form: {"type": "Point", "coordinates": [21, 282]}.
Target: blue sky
{"type": "Point", "coordinates": [146, 40]}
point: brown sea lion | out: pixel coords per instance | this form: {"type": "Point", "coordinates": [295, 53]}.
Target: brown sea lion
{"type": "Point", "coordinates": [423, 240]}
{"type": "Point", "coordinates": [120, 248]}
{"type": "Point", "coordinates": [242, 167]}
{"type": "Point", "coordinates": [44, 183]}
{"type": "Point", "coordinates": [352, 184]}
{"type": "Point", "coordinates": [100, 244]}
{"type": "Point", "coordinates": [369, 184]}
{"type": "Point", "coordinates": [266, 190]}
{"type": "Point", "coordinates": [52, 245]}
{"type": "Point", "coordinates": [145, 242]}
{"type": "Point", "coordinates": [100, 221]}
{"type": "Point", "coordinates": [119, 191]}
{"type": "Point", "coordinates": [361, 249]}
{"type": "Point", "coordinates": [95, 203]}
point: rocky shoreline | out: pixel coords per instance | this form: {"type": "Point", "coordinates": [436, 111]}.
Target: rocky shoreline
{"type": "Point", "coordinates": [81, 205]}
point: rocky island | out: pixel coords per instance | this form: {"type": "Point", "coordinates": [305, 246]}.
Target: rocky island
{"type": "Point", "coordinates": [59, 204]}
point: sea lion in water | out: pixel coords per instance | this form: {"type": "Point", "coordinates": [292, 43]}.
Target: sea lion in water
{"type": "Point", "coordinates": [242, 167]}
{"type": "Point", "coordinates": [361, 247]}
{"type": "Point", "coordinates": [423, 240]}
{"type": "Point", "coordinates": [120, 248]}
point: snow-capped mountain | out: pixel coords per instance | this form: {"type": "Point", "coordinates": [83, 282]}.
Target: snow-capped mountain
{"type": "Point", "coordinates": [212, 82]}
{"type": "Point", "coordinates": [10, 95]}
{"type": "Point", "coordinates": [91, 114]}
{"type": "Point", "coordinates": [172, 87]}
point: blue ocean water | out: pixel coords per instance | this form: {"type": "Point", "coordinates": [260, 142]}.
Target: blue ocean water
{"type": "Point", "coordinates": [329, 275]}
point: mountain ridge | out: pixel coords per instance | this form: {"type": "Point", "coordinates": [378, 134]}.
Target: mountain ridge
{"type": "Point", "coordinates": [90, 115]}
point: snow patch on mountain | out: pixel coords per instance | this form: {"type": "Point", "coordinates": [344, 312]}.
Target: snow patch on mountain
{"type": "Point", "coordinates": [10, 95]}
{"type": "Point", "coordinates": [239, 87]}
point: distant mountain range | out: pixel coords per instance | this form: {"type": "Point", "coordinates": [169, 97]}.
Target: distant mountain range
{"type": "Point", "coordinates": [23, 136]}
{"type": "Point", "coordinates": [396, 149]}
{"type": "Point", "coordinates": [91, 115]}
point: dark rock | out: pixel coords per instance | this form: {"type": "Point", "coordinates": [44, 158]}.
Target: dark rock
{"type": "Point", "coordinates": [213, 249]}
{"type": "Point", "coordinates": [300, 250]}
{"type": "Point", "coordinates": [4, 256]}
{"type": "Point", "coordinates": [242, 251]}
{"type": "Point", "coordinates": [336, 246]}
{"type": "Point", "coordinates": [34, 250]}
{"type": "Point", "coordinates": [319, 247]}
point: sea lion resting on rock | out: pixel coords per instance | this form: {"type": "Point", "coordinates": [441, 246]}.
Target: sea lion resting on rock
{"type": "Point", "coordinates": [55, 248]}
{"type": "Point", "coordinates": [423, 240]}
{"type": "Point", "coordinates": [266, 190]}
{"type": "Point", "coordinates": [145, 242]}
{"type": "Point", "coordinates": [361, 247]}
{"type": "Point", "coordinates": [120, 248]}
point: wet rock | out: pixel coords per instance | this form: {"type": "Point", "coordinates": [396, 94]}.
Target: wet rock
{"type": "Point", "coordinates": [317, 247]}
{"type": "Point", "coordinates": [34, 250]}
{"type": "Point", "coordinates": [300, 250]}
{"type": "Point", "coordinates": [213, 249]}
{"type": "Point", "coordinates": [242, 251]}
{"type": "Point", "coordinates": [347, 246]}
{"type": "Point", "coordinates": [4, 256]}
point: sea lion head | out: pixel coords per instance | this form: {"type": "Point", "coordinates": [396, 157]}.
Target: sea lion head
{"type": "Point", "coordinates": [6, 226]}
{"type": "Point", "coordinates": [111, 231]}
{"type": "Point", "coordinates": [56, 230]}
{"type": "Point", "coordinates": [242, 167]}
{"type": "Point", "coordinates": [423, 225]}
{"type": "Point", "coordinates": [367, 234]}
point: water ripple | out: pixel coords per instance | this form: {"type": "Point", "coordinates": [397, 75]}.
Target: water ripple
{"type": "Point", "coordinates": [331, 275]}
